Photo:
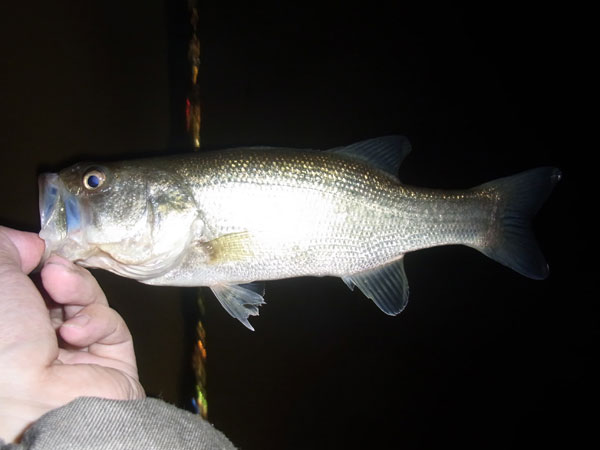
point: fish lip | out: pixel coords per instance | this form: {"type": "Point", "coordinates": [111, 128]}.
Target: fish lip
{"type": "Point", "coordinates": [49, 202]}
{"type": "Point", "coordinates": [49, 196]}
{"type": "Point", "coordinates": [60, 214]}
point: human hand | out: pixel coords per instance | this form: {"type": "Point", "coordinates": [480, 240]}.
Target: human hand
{"type": "Point", "coordinates": [52, 351]}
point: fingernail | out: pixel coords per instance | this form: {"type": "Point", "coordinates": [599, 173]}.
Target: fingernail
{"type": "Point", "coordinates": [77, 322]}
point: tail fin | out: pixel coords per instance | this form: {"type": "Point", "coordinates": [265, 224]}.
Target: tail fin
{"type": "Point", "coordinates": [521, 196]}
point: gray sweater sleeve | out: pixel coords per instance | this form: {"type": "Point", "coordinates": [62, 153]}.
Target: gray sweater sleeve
{"type": "Point", "coordinates": [95, 423]}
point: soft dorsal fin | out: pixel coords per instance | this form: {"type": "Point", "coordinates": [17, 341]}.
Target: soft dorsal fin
{"type": "Point", "coordinates": [385, 153]}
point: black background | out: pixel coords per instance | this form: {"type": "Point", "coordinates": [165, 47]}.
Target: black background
{"type": "Point", "coordinates": [481, 357]}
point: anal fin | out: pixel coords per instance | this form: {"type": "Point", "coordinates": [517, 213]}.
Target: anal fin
{"type": "Point", "coordinates": [386, 285]}
{"type": "Point", "coordinates": [240, 301]}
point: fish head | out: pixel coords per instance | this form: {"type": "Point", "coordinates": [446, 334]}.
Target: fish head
{"type": "Point", "coordinates": [128, 218]}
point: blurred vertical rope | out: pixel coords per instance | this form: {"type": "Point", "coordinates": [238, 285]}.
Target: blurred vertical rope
{"type": "Point", "coordinates": [193, 112]}
{"type": "Point", "coordinates": [193, 122]}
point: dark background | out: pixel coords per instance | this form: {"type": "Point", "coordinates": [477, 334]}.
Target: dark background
{"type": "Point", "coordinates": [481, 357]}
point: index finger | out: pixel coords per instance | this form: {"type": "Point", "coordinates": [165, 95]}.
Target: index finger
{"type": "Point", "coordinates": [22, 310]}
{"type": "Point", "coordinates": [71, 285]}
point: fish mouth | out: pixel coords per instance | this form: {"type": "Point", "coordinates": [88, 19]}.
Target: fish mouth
{"type": "Point", "coordinates": [60, 214]}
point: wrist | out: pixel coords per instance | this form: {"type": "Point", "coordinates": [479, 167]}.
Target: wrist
{"type": "Point", "coordinates": [16, 416]}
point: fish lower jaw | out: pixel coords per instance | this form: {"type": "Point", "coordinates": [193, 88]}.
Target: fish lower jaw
{"type": "Point", "coordinates": [136, 269]}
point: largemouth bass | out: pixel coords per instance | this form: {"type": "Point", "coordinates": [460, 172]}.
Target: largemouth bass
{"type": "Point", "coordinates": [228, 219]}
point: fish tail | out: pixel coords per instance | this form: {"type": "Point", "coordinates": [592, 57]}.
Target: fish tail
{"type": "Point", "coordinates": [512, 241]}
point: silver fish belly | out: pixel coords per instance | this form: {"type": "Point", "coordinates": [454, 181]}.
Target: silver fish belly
{"type": "Point", "coordinates": [227, 219]}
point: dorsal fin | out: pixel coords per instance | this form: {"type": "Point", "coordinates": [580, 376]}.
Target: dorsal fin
{"type": "Point", "coordinates": [385, 153]}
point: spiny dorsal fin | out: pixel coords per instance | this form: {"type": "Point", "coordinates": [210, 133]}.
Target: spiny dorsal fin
{"type": "Point", "coordinates": [385, 153]}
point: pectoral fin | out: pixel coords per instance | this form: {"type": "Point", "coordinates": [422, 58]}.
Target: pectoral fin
{"type": "Point", "coordinates": [387, 286]}
{"type": "Point", "coordinates": [229, 247]}
{"type": "Point", "coordinates": [241, 301]}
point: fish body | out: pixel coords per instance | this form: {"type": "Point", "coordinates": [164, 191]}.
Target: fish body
{"type": "Point", "coordinates": [230, 218]}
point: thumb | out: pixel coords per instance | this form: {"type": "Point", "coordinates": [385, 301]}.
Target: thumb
{"type": "Point", "coordinates": [21, 248]}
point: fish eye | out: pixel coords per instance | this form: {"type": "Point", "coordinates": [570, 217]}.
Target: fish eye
{"type": "Point", "coordinates": [93, 179]}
